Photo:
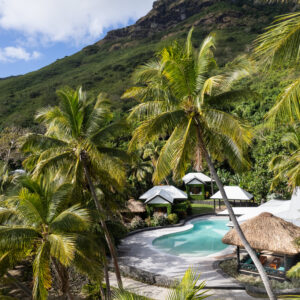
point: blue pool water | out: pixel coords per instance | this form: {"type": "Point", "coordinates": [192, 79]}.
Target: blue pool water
{"type": "Point", "coordinates": [205, 238]}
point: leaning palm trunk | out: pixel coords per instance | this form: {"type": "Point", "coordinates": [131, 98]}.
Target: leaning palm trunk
{"type": "Point", "coordinates": [237, 227]}
{"type": "Point", "coordinates": [83, 157]}
{"type": "Point", "coordinates": [106, 274]}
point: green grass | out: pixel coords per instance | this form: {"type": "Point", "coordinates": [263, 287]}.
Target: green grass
{"type": "Point", "coordinates": [201, 209]}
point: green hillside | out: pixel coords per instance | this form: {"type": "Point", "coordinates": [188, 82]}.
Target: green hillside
{"type": "Point", "coordinates": [107, 65]}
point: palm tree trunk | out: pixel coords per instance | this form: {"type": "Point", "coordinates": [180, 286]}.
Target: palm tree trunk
{"type": "Point", "coordinates": [102, 294]}
{"type": "Point", "coordinates": [83, 157]}
{"type": "Point", "coordinates": [63, 276]}
{"type": "Point", "coordinates": [108, 292]}
{"type": "Point", "coordinates": [237, 227]}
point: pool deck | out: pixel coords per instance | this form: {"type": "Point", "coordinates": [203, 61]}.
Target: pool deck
{"type": "Point", "coordinates": [137, 251]}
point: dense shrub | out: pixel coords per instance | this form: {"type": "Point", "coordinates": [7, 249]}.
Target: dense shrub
{"type": "Point", "coordinates": [137, 222]}
{"type": "Point", "coordinates": [173, 218]}
{"type": "Point", "coordinates": [182, 214]}
{"type": "Point", "coordinates": [148, 221]}
{"type": "Point", "coordinates": [158, 219]}
{"type": "Point", "coordinates": [117, 230]}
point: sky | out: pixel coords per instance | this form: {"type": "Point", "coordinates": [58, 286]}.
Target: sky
{"type": "Point", "coordinates": [34, 33]}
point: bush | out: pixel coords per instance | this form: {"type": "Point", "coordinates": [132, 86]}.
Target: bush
{"type": "Point", "coordinates": [158, 219]}
{"type": "Point", "coordinates": [137, 222]}
{"type": "Point", "coordinates": [148, 221]}
{"type": "Point", "coordinates": [182, 214]}
{"type": "Point", "coordinates": [117, 230]}
{"type": "Point", "coordinates": [173, 218]}
{"type": "Point", "coordinates": [189, 210]}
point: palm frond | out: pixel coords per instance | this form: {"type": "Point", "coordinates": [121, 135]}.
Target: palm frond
{"type": "Point", "coordinates": [62, 247]}
{"type": "Point", "coordinates": [73, 219]}
{"type": "Point", "coordinates": [287, 107]}
{"type": "Point", "coordinates": [17, 237]}
{"type": "Point", "coordinates": [155, 127]}
{"type": "Point", "coordinates": [294, 272]}
{"type": "Point", "coordinates": [188, 288]}
{"type": "Point", "coordinates": [280, 43]}
{"type": "Point", "coordinates": [176, 154]}
{"type": "Point", "coordinates": [126, 295]}
{"type": "Point", "coordinates": [146, 110]}
{"type": "Point", "coordinates": [41, 272]}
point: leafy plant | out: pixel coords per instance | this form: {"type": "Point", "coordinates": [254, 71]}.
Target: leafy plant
{"type": "Point", "coordinates": [137, 222]}
{"type": "Point", "coordinates": [173, 218]}
{"type": "Point", "coordinates": [158, 219]}
{"type": "Point", "coordinates": [189, 288]}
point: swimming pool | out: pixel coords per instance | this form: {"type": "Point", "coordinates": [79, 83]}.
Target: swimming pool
{"type": "Point", "coordinates": [205, 238]}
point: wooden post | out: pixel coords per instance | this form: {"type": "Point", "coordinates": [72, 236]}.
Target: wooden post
{"type": "Point", "coordinates": [240, 202]}
{"type": "Point", "coordinates": [238, 257]}
{"type": "Point", "coordinates": [220, 204]}
{"type": "Point", "coordinates": [215, 205]}
{"type": "Point", "coordinates": [285, 263]}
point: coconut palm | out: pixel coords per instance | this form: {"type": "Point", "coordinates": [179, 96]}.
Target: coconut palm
{"type": "Point", "coordinates": [76, 144]}
{"type": "Point", "coordinates": [280, 45]}
{"type": "Point", "coordinates": [288, 166]}
{"type": "Point", "coordinates": [38, 221]}
{"type": "Point", "coordinates": [182, 102]}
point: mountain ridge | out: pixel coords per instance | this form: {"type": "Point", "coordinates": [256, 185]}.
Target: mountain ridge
{"type": "Point", "coordinates": [108, 64]}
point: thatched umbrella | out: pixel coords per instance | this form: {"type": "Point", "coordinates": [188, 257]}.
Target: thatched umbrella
{"type": "Point", "coordinates": [267, 232]}
{"type": "Point", "coordinates": [135, 206]}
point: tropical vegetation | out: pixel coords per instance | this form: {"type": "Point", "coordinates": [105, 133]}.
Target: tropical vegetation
{"type": "Point", "coordinates": [186, 113]}
{"type": "Point", "coordinates": [40, 222]}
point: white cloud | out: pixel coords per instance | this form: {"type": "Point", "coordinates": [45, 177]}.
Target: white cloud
{"type": "Point", "coordinates": [76, 21]}
{"type": "Point", "coordinates": [11, 54]}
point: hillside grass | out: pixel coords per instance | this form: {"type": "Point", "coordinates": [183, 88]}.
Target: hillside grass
{"type": "Point", "coordinates": [100, 68]}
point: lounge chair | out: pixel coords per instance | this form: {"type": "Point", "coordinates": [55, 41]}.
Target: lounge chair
{"type": "Point", "coordinates": [263, 259]}
{"type": "Point", "coordinates": [275, 263]}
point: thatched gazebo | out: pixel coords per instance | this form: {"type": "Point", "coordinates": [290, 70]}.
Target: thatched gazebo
{"type": "Point", "coordinates": [271, 235]}
{"type": "Point", "coordinates": [135, 206]}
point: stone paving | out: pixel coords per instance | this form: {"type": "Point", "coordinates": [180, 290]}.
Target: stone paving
{"type": "Point", "coordinates": [137, 251]}
{"type": "Point", "coordinates": [160, 293]}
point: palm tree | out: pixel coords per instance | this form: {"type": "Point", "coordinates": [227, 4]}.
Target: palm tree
{"type": "Point", "coordinates": [288, 166]}
{"type": "Point", "coordinates": [38, 222]}
{"type": "Point", "coordinates": [180, 101]}
{"type": "Point", "coordinates": [76, 144]}
{"type": "Point", "coordinates": [280, 45]}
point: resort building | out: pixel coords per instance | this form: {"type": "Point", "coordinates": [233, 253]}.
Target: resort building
{"type": "Point", "coordinates": [196, 185]}
{"type": "Point", "coordinates": [162, 197]}
{"type": "Point", "coordinates": [274, 240]}
{"type": "Point", "coordinates": [235, 194]}
{"type": "Point", "coordinates": [288, 210]}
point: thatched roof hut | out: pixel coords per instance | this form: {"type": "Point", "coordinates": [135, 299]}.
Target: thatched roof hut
{"type": "Point", "coordinates": [135, 206]}
{"type": "Point", "coordinates": [267, 232]}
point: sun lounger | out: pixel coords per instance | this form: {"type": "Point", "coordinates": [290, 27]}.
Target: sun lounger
{"type": "Point", "coordinates": [263, 259]}
{"type": "Point", "coordinates": [275, 263]}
